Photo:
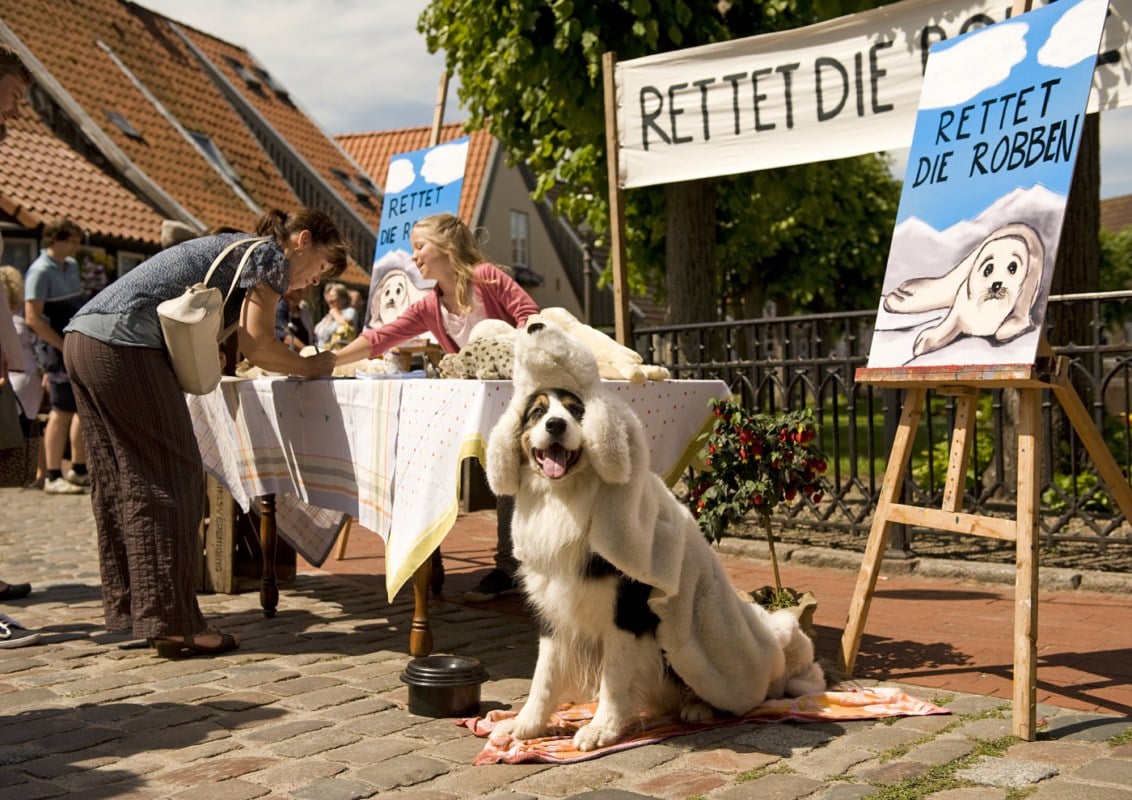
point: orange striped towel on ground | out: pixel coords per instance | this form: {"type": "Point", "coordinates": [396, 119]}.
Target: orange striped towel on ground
{"type": "Point", "coordinates": [833, 706]}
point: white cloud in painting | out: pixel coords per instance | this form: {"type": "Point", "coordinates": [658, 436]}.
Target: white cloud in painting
{"type": "Point", "coordinates": [1075, 36]}
{"type": "Point", "coordinates": [401, 175]}
{"type": "Point", "coordinates": [445, 163]}
{"type": "Point", "coordinates": [973, 65]}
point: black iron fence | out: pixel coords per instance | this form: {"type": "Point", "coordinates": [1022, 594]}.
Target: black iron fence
{"type": "Point", "coordinates": [783, 363]}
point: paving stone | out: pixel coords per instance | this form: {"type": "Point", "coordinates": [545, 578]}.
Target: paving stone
{"type": "Point", "coordinates": [1086, 727]}
{"type": "Point", "coordinates": [847, 791]}
{"type": "Point", "coordinates": [335, 789]}
{"type": "Point", "coordinates": [681, 783]}
{"type": "Point", "coordinates": [71, 741]}
{"type": "Point", "coordinates": [301, 685]}
{"type": "Point", "coordinates": [971, 793]}
{"type": "Point", "coordinates": [986, 730]}
{"type": "Point", "coordinates": [1062, 753]}
{"type": "Point", "coordinates": [333, 696]}
{"type": "Point", "coordinates": [368, 752]}
{"type": "Point", "coordinates": [609, 794]}
{"type": "Point", "coordinates": [294, 773]}
{"type": "Point", "coordinates": [287, 730]}
{"type": "Point", "coordinates": [406, 770]}
{"type": "Point", "coordinates": [1079, 791]}
{"type": "Point", "coordinates": [730, 759]}
{"type": "Point", "coordinates": [225, 790]}
{"type": "Point", "coordinates": [485, 780]}
{"type": "Point", "coordinates": [772, 787]}
{"type": "Point", "coordinates": [1008, 772]}
{"type": "Point", "coordinates": [313, 743]}
{"type": "Point", "coordinates": [29, 730]}
{"type": "Point", "coordinates": [941, 751]}
{"type": "Point", "coordinates": [33, 790]}
{"type": "Point", "coordinates": [1117, 772]}
{"type": "Point", "coordinates": [826, 762]}
{"type": "Point", "coordinates": [57, 766]}
{"type": "Point", "coordinates": [216, 769]}
{"type": "Point", "coordinates": [891, 772]}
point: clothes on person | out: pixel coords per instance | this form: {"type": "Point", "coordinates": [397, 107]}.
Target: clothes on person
{"type": "Point", "coordinates": [294, 325]}
{"type": "Point", "coordinates": [467, 290]}
{"type": "Point", "coordinates": [339, 326]}
{"type": "Point", "coordinates": [497, 296]}
{"type": "Point", "coordinates": [53, 292]}
{"type": "Point", "coordinates": [147, 477]}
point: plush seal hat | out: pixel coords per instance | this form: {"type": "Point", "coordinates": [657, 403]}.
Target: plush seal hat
{"type": "Point", "coordinates": [546, 357]}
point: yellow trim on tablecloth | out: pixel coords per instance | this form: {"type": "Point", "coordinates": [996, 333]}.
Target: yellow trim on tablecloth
{"type": "Point", "coordinates": [472, 447]}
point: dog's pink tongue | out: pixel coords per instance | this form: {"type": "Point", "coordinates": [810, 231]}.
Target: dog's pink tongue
{"type": "Point", "coordinates": [554, 464]}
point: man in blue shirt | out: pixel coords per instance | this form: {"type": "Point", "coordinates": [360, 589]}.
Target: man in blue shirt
{"type": "Point", "coordinates": [53, 293]}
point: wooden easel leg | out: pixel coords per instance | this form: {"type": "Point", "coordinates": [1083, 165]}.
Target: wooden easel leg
{"type": "Point", "coordinates": [1106, 465]}
{"type": "Point", "coordinates": [1026, 566]}
{"type": "Point", "coordinates": [878, 535]}
{"type": "Point", "coordinates": [420, 634]}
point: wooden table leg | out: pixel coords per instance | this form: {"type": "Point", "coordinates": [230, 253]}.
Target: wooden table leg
{"type": "Point", "coordinates": [268, 538]}
{"type": "Point", "coordinates": [420, 635]}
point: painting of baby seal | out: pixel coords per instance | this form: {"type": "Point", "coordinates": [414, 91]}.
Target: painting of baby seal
{"type": "Point", "coordinates": [990, 293]}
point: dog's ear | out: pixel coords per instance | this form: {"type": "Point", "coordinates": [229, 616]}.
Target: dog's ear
{"type": "Point", "coordinates": [606, 431]}
{"type": "Point", "coordinates": [1021, 317]}
{"type": "Point", "coordinates": [504, 451]}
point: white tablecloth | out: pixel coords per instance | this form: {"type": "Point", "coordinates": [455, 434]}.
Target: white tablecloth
{"type": "Point", "coordinates": [388, 452]}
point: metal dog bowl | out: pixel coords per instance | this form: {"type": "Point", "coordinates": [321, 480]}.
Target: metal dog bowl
{"type": "Point", "coordinates": [444, 686]}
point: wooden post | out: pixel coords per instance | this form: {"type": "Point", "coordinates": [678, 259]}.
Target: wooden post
{"type": "Point", "coordinates": [268, 538]}
{"type": "Point", "coordinates": [623, 334]}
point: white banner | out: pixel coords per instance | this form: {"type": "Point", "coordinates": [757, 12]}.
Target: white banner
{"type": "Point", "coordinates": [839, 88]}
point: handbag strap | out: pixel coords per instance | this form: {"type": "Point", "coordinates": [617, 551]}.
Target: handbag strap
{"type": "Point", "coordinates": [253, 244]}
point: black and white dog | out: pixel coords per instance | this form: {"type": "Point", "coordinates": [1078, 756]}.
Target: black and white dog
{"type": "Point", "coordinates": [635, 609]}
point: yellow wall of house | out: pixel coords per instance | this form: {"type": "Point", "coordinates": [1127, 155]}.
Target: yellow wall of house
{"type": "Point", "coordinates": [507, 192]}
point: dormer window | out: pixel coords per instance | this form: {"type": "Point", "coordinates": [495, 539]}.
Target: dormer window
{"type": "Point", "coordinates": [354, 189]}
{"type": "Point", "coordinates": [245, 74]}
{"type": "Point", "coordinates": [205, 143]}
{"type": "Point", "coordinates": [122, 124]}
{"type": "Point", "coordinates": [269, 82]}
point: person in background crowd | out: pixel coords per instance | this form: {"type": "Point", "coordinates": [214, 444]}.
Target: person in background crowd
{"type": "Point", "coordinates": [332, 327]}
{"type": "Point", "coordinates": [147, 477]}
{"type": "Point", "coordinates": [53, 292]}
{"type": "Point", "coordinates": [358, 303]}
{"type": "Point", "coordinates": [15, 78]}
{"type": "Point", "coordinates": [294, 324]}
{"type": "Point", "coordinates": [28, 383]}
{"type": "Point", "coordinates": [468, 290]}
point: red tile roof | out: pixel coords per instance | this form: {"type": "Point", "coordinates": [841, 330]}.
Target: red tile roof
{"type": "Point", "coordinates": [42, 178]}
{"type": "Point", "coordinates": [1116, 213]}
{"type": "Point", "coordinates": [373, 151]}
{"type": "Point", "coordinates": [99, 56]}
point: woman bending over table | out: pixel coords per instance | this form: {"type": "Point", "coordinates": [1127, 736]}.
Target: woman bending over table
{"type": "Point", "coordinates": [147, 478]}
{"type": "Point", "coordinates": [468, 290]}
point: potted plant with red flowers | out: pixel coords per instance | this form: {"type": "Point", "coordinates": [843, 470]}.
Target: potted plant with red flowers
{"type": "Point", "coordinates": [754, 462]}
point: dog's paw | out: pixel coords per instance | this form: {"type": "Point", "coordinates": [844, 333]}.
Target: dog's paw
{"type": "Point", "coordinates": [696, 711]}
{"type": "Point", "coordinates": [595, 735]}
{"type": "Point", "coordinates": [519, 728]}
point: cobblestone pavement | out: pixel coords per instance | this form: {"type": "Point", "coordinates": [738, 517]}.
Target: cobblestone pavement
{"type": "Point", "coordinates": [312, 707]}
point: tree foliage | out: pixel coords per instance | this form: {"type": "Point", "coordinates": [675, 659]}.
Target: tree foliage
{"type": "Point", "coordinates": [531, 71]}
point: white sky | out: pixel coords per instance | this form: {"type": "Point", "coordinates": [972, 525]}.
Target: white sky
{"type": "Point", "coordinates": [360, 65]}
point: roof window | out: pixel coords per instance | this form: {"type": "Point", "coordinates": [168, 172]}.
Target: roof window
{"type": "Point", "coordinates": [205, 143]}
{"type": "Point", "coordinates": [122, 124]}
{"type": "Point", "coordinates": [270, 83]}
{"type": "Point", "coordinates": [245, 74]}
{"type": "Point", "coordinates": [354, 189]}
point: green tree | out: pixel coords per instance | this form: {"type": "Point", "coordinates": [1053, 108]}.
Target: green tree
{"type": "Point", "coordinates": [531, 70]}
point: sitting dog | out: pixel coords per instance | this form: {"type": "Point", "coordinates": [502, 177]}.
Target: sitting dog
{"type": "Point", "coordinates": [990, 293]}
{"type": "Point", "coordinates": [635, 608]}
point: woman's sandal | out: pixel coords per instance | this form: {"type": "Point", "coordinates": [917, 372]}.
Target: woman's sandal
{"type": "Point", "coordinates": [170, 648]}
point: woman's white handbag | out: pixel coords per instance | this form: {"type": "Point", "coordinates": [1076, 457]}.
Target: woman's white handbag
{"type": "Point", "coordinates": [192, 323]}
